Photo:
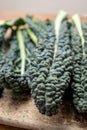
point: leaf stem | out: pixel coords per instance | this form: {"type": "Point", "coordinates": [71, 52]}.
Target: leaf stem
{"type": "Point", "coordinates": [22, 51]}
{"type": "Point", "coordinates": [32, 35]}
{"type": "Point", "coordinates": [61, 15]}
{"type": "Point", "coordinates": [77, 22]}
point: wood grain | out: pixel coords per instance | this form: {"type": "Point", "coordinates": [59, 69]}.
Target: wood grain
{"type": "Point", "coordinates": [20, 111]}
{"type": "Point", "coordinates": [4, 127]}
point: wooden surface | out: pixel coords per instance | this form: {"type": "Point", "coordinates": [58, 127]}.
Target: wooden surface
{"type": "Point", "coordinates": [4, 127]}
{"type": "Point", "coordinates": [20, 111]}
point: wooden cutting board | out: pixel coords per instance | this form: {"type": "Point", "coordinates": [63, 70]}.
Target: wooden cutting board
{"type": "Point", "coordinates": [20, 111]}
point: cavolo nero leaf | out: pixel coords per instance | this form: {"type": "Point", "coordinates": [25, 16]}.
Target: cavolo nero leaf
{"type": "Point", "coordinates": [51, 67]}
{"type": "Point", "coordinates": [79, 73]}
{"type": "Point", "coordinates": [59, 75]}
{"type": "Point", "coordinates": [19, 58]}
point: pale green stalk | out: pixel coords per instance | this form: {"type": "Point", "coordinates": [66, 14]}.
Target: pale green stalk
{"type": "Point", "coordinates": [32, 35]}
{"type": "Point", "coordinates": [22, 50]}
{"type": "Point", "coordinates": [61, 15]}
{"type": "Point", "coordinates": [77, 22]}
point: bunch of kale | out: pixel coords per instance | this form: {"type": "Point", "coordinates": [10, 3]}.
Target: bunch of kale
{"type": "Point", "coordinates": [44, 58]}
